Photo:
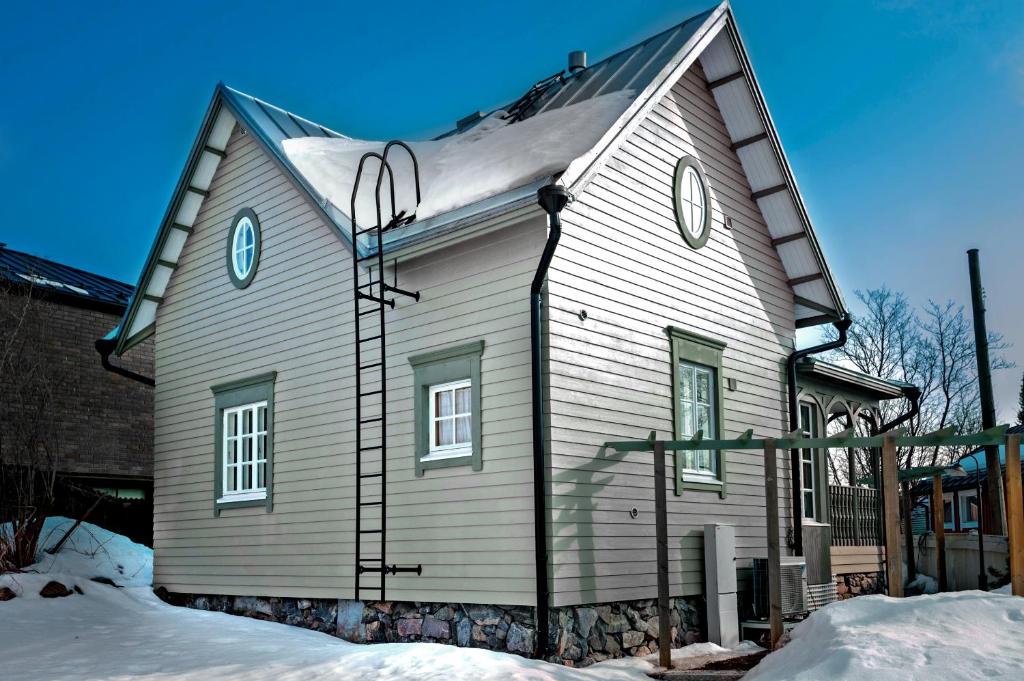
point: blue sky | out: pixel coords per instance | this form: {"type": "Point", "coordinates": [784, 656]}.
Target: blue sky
{"type": "Point", "coordinates": [904, 120]}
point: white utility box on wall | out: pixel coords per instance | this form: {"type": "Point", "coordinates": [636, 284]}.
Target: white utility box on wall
{"type": "Point", "coordinates": [720, 578]}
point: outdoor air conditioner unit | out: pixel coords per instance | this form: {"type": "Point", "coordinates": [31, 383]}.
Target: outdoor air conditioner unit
{"type": "Point", "coordinates": [794, 586]}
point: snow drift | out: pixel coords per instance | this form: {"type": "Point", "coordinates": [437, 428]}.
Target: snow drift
{"type": "Point", "coordinates": [491, 157]}
{"type": "Point", "coordinates": [955, 636]}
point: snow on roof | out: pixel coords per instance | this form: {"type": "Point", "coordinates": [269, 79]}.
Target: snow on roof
{"type": "Point", "coordinates": [493, 156]}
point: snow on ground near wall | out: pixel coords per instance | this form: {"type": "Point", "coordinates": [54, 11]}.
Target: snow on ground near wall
{"type": "Point", "coordinates": [108, 633]}
{"type": "Point", "coordinates": [952, 636]}
{"type": "Point", "coordinates": [488, 159]}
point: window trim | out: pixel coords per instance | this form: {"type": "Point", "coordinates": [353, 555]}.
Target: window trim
{"type": "Point", "coordinates": [255, 492]}
{"type": "Point", "coordinates": [696, 349]}
{"type": "Point", "coordinates": [243, 282]}
{"type": "Point", "coordinates": [698, 241]}
{"type": "Point", "coordinates": [237, 393]}
{"type": "Point", "coordinates": [432, 369]}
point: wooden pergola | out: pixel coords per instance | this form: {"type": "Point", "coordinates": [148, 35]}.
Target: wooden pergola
{"type": "Point", "coordinates": [888, 443]}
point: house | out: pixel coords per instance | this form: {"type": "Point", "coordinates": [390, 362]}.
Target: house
{"type": "Point", "coordinates": [95, 426]}
{"type": "Point", "coordinates": [623, 248]}
{"type": "Point", "coordinates": [961, 505]}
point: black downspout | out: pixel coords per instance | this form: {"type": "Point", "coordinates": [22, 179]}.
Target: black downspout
{"type": "Point", "coordinates": [105, 347]}
{"type": "Point", "coordinates": [842, 325]}
{"type": "Point", "coordinates": [552, 198]}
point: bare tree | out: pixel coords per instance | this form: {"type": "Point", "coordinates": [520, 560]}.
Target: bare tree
{"type": "Point", "coordinates": [933, 351]}
{"type": "Point", "coordinates": [29, 379]}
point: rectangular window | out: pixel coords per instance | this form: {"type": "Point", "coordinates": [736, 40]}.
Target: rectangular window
{"type": "Point", "coordinates": [451, 420]}
{"type": "Point", "coordinates": [809, 462]}
{"type": "Point", "coordinates": [446, 392]}
{"type": "Point", "coordinates": [968, 510]}
{"type": "Point", "coordinates": [697, 408]}
{"type": "Point", "coordinates": [947, 510]}
{"type": "Point", "coordinates": [245, 452]}
{"type": "Point", "coordinates": [244, 443]}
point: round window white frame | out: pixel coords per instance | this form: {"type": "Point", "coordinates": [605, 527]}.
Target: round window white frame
{"type": "Point", "coordinates": [245, 218]}
{"type": "Point", "coordinates": [695, 235]}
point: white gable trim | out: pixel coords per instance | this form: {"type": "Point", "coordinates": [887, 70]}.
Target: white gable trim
{"type": "Point", "coordinates": [718, 46]}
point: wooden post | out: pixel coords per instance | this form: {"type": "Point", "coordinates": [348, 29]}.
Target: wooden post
{"type": "Point", "coordinates": [661, 532]}
{"type": "Point", "coordinates": [891, 510]}
{"type": "Point", "coordinates": [771, 500]}
{"type": "Point", "coordinates": [939, 525]}
{"type": "Point", "coordinates": [1015, 514]}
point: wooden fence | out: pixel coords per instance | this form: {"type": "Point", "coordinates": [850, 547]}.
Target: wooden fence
{"type": "Point", "coordinates": [855, 514]}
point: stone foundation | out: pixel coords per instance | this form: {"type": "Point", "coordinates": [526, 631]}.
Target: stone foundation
{"type": "Point", "coordinates": [859, 584]}
{"type": "Point", "coordinates": [579, 635]}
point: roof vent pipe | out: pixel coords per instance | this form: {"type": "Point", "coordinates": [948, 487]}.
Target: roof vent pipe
{"type": "Point", "coordinates": [577, 61]}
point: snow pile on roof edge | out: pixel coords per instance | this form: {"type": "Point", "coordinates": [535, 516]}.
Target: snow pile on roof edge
{"type": "Point", "coordinates": [964, 636]}
{"type": "Point", "coordinates": [492, 157]}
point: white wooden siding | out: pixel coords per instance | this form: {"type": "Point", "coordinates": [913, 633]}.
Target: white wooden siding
{"type": "Point", "coordinates": [623, 260]}
{"type": "Point", "coordinates": [471, 531]}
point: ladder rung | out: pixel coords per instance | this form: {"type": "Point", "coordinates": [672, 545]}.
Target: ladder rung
{"type": "Point", "coordinates": [370, 448]}
{"type": "Point", "coordinates": [363, 568]}
{"type": "Point", "coordinates": [369, 283]}
{"type": "Point", "coordinates": [374, 365]}
{"type": "Point", "coordinates": [379, 301]}
{"type": "Point", "coordinates": [370, 338]}
{"type": "Point", "coordinates": [370, 475]}
{"type": "Point", "coordinates": [375, 310]}
{"type": "Point", "coordinates": [372, 419]}
{"type": "Point", "coordinates": [372, 392]}
{"type": "Point", "coordinates": [368, 230]}
{"type": "Point", "coordinates": [369, 503]}
{"type": "Point", "coordinates": [370, 531]}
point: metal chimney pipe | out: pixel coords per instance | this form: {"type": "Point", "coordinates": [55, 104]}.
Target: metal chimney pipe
{"type": "Point", "coordinates": [577, 61]}
{"type": "Point", "coordinates": [993, 510]}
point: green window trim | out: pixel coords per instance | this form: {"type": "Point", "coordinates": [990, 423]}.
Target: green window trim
{"type": "Point", "coordinates": [257, 388]}
{"type": "Point", "coordinates": [445, 366]}
{"type": "Point", "coordinates": [690, 347]}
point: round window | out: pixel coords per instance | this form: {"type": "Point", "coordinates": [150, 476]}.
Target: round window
{"type": "Point", "coordinates": [693, 211]}
{"type": "Point", "coordinates": [243, 247]}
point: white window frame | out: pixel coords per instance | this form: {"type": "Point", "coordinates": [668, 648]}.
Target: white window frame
{"type": "Point", "coordinates": [693, 195]}
{"type": "Point", "coordinates": [809, 456]}
{"type": "Point", "coordinates": [457, 449]}
{"type": "Point", "coordinates": [236, 470]}
{"type": "Point", "coordinates": [709, 474]}
{"type": "Point", "coordinates": [244, 226]}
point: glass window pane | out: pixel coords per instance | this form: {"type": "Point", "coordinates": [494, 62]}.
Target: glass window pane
{"type": "Point", "coordinates": [246, 477]}
{"type": "Point", "coordinates": [229, 479]}
{"type": "Point", "coordinates": [261, 448]}
{"type": "Point", "coordinates": [443, 403]}
{"type": "Point", "coordinates": [262, 420]}
{"type": "Point", "coordinates": [233, 423]}
{"type": "Point", "coordinates": [247, 449]}
{"type": "Point", "coordinates": [687, 418]}
{"type": "Point", "coordinates": [260, 473]}
{"type": "Point", "coordinates": [247, 421]}
{"type": "Point", "coordinates": [444, 432]}
{"type": "Point", "coordinates": [808, 504]}
{"type": "Point", "coordinates": [808, 475]}
{"type": "Point", "coordinates": [690, 459]}
{"type": "Point", "coordinates": [703, 387]}
{"type": "Point", "coordinates": [463, 429]}
{"type": "Point", "coordinates": [462, 400]}
{"type": "Point", "coordinates": [704, 420]}
{"type": "Point", "coordinates": [686, 382]}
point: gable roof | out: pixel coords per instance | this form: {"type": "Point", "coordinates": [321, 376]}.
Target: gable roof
{"type": "Point", "coordinates": [63, 282]}
{"type": "Point", "coordinates": [643, 73]}
{"type": "Point", "coordinates": [872, 387]}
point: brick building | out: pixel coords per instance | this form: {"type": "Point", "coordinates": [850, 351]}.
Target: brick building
{"type": "Point", "coordinates": [102, 421]}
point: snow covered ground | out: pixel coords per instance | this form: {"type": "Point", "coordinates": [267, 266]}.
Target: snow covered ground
{"type": "Point", "coordinates": [952, 636]}
{"type": "Point", "coordinates": [127, 633]}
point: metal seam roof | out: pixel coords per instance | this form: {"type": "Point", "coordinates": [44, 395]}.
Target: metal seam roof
{"type": "Point", "coordinates": [21, 268]}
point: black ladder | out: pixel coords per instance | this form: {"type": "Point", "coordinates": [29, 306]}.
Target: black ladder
{"type": "Point", "coordinates": [371, 298]}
